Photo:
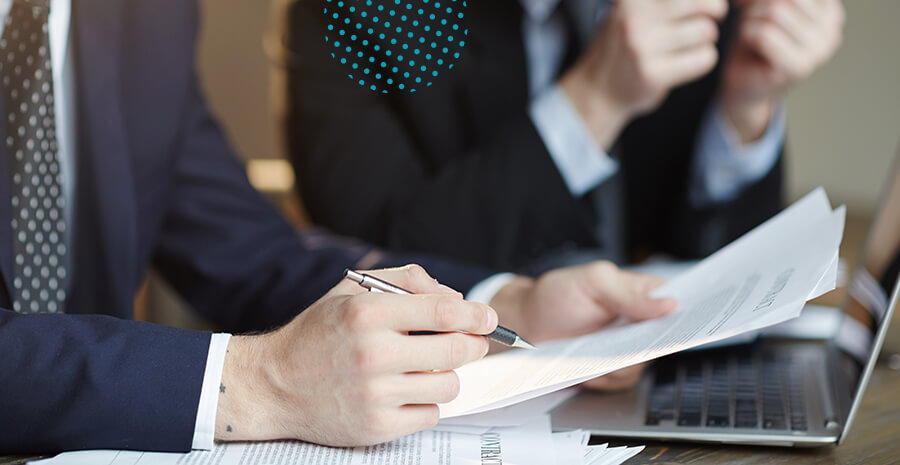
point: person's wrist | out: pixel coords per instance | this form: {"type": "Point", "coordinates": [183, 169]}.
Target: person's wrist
{"type": "Point", "coordinates": [248, 397]}
{"type": "Point", "coordinates": [749, 116]}
{"type": "Point", "coordinates": [602, 114]}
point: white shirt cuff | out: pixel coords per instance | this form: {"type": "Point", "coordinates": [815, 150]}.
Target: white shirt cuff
{"type": "Point", "coordinates": [205, 427]}
{"type": "Point", "coordinates": [484, 291]}
{"type": "Point", "coordinates": [723, 165]}
{"type": "Point", "coordinates": [582, 164]}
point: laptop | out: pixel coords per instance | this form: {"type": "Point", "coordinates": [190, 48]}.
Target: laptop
{"type": "Point", "coordinates": [790, 388]}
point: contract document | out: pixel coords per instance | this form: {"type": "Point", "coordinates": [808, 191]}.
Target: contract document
{"type": "Point", "coordinates": [532, 443]}
{"type": "Point", "coordinates": [762, 279]}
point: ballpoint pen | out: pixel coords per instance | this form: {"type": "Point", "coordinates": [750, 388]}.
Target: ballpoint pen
{"type": "Point", "coordinates": [502, 335]}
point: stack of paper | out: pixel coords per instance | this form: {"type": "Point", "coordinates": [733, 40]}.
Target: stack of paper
{"type": "Point", "coordinates": [762, 279]}
{"type": "Point", "coordinates": [531, 443]}
{"type": "Point", "coordinates": [571, 447]}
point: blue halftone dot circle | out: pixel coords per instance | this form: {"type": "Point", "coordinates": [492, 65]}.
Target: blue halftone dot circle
{"type": "Point", "coordinates": [383, 29]}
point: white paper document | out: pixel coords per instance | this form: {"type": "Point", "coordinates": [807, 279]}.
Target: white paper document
{"type": "Point", "coordinates": [529, 444]}
{"type": "Point", "coordinates": [513, 415]}
{"type": "Point", "coordinates": [761, 279]}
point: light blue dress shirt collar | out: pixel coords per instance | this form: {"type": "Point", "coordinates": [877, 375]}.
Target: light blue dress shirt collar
{"type": "Point", "coordinates": [587, 13]}
{"type": "Point", "coordinates": [539, 10]}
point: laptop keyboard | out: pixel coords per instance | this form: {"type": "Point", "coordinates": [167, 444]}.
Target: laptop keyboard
{"type": "Point", "coordinates": [697, 389]}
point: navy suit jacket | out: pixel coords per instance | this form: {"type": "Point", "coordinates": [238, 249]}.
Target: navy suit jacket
{"type": "Point", "coordinates": [157, 185]}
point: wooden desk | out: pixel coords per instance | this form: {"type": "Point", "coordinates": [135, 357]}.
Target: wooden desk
{"type": "Point", "coordinates": [874, 436]}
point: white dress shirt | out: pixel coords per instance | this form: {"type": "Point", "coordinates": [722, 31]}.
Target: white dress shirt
{"type": "Point", "coordinates": [61, 58]}
{"type": "Point", "coordinates": [722, 165]}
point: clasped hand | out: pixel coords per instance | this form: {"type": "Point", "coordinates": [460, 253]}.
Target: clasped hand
{"type": "Point", "coordinates": [646, 48]}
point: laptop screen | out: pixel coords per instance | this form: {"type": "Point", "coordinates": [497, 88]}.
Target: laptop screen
{"type": "Point", "coordinates": [872, 292]}
{"type": "Point", "coordinates": [873, 280]}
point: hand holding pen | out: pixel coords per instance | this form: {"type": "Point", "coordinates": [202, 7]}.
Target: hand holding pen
{"type": "Point", "coordinates": [502, 335]}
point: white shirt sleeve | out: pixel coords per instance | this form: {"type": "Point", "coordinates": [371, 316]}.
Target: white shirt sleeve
{"type": "Point", "coordinates": [205, 427]}
{"type": "Point", "coordinates": [723, 166]}
{"type": "Point", "coordinates": [582, 164]}
{"type": "Point", "coordinates": [484, 291]}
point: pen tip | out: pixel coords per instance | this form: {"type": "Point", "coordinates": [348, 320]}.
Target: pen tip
{"type": "Point", "coordinates": [523, 344]}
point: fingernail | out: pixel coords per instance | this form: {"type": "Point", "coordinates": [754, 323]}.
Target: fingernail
{"type": "Point", "coordinates": [448, 289]}
{"type": "Point", "coordinates": [493, 318]}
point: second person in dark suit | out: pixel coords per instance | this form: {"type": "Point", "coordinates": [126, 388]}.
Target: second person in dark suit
{"type": "Point", "coordinates": [568, 130]}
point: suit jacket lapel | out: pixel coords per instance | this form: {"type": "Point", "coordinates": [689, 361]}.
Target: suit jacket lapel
{"type": "Point", "coordinates": [106, 229]}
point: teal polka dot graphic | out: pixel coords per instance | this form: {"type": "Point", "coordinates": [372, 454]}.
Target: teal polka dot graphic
{"type": "Point", "coordinates": [395, 45]}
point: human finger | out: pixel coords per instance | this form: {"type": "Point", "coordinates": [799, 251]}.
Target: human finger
{"type": "Point", "coordinates": [391, 423]}
{"type": "Point", "coordinates": [828, 16]}
{"type": "Point", "coordinates": [617, 380]}
{"type": "Point", "coordinates": [679, 9]}
{"type": "Point", "coordinates": [688, 65]}
{"type": "Point", "coordinates": [626, 293]}
{"type": "Point", "coordinates": [424, 313]}
{"type": "Point", "coordinates": [445, 351]}
{"type": "Point", "coordinates": [774, 45]}
{"type": "Point", "coordinates": [822, 12]}
{"type": "Point", "coordinates": [803, 30]}
{"type": "Point", "coordinates": [414, 279]}
{"type": "Point", "coordinates": [425, 388]}
{"type": "Point", "coordinates": [688, 34]}
{"type": "Point", "coordinates": [413, 418]}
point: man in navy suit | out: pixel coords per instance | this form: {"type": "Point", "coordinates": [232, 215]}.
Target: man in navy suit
{"type": "Point", "coordinates": [112, 163]}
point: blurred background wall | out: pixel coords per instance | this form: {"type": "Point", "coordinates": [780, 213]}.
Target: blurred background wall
{"type": "Point", "coordinates": [843, 129]}
{"type": "Point", "coordinates": [235, 72]}
{"type": "Point", "coordinates": [844, 123]}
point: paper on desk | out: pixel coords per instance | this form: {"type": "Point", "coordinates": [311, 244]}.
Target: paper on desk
{"type": "Point", "coordinates": [512, 415]}
{"type": "Point", "coordinates": [529, 444]}
{"type": "Point", "coordinates": [570, 446]}
{"type": "Point", "coordinates": [762, 279]}
{"type": "Point", "coordinates": [572, 449]}
{"type": "Point", "coordinates": [606, 455]}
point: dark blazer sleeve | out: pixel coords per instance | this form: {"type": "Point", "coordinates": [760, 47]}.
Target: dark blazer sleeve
{"type": "Point", "coordinates": [97, 382]}
{"type": "Point", "coordinates": [236, 259]}
{"type": "Point", "coordinates": [363, 170]}
{"type": "Point", "coordinates": [74, 382]}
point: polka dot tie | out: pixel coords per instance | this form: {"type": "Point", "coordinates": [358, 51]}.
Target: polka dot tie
{"type": "Point", "coordinates": [38, 224]}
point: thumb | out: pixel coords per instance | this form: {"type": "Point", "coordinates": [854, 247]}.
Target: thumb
{"type": "Point", "coordinates": [633, 299]}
